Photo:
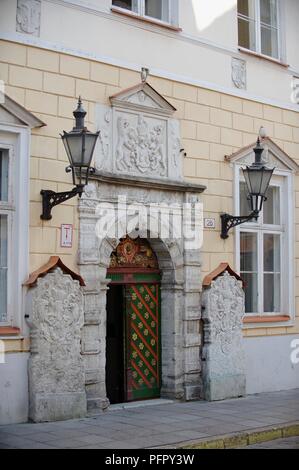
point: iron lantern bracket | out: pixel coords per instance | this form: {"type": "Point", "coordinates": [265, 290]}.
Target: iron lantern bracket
{"type": "Point", "coordinates": [51, 199]}
{"type": "Point", "coordinates": [230, 221]}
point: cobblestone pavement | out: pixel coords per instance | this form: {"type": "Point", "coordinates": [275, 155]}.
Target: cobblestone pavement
{"type": "Point", "coordinates": [288, 443]}
{"type": "Point", "coordinates": [156, 424]}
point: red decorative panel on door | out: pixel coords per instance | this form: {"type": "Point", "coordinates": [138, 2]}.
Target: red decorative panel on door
{"type": "Point", "coordinates": [143, 341]}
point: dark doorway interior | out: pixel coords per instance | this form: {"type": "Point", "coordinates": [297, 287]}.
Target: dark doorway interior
{"type": "Point", "coordinates": [115, 370]}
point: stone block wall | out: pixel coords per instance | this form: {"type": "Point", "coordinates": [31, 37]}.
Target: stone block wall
{"type": "Point", "coordinates": [212, 125]}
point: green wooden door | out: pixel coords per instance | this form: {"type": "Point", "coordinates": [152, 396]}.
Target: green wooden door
{"type": "Point", "coordinates": [143, 361]}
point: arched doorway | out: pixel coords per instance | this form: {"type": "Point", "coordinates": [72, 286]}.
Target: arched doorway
{"type": "Point", "coordinates": [133, 336]}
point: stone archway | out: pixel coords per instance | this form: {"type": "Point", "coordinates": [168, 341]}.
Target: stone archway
{"type": "Point", "coordinates": [170, 261]}
{"type": "Point", "coordinates": [180, 291]}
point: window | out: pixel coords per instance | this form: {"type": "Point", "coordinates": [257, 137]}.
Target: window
{"type": "Point", "coordinates": [3, 267]}
{"type": "Point", "coordinates": [258, 26]}
{"type": "Point", "coordinates": [161, 10]}
{"type": "Point", "coordinates": [14, 210]}
{"type": "Point", "coordinates": [263, 255]}
{"type": "Point", "coordinates": [6, 211]}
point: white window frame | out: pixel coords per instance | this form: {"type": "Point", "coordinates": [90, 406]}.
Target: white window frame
{"type": "Point", "coordinates": [8, 208]}
{"type": "Point", "coordinates": [138, 9]}
{"type": "Point", "coordinates": [257, 21]}
{"type": "Point", "coordinates": [16, 139]}
{"type": "Point", "coordinates": [283, 179]}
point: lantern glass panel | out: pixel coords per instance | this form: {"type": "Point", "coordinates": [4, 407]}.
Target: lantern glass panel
{"type": "Point", "coordinates": [253, 180]}
{"type": "Point", "coordinates": [90, 141]}
{"type": "Point", "coordinates": [267, 174]}
{"type": "Point", "coordinates": [74, 143]}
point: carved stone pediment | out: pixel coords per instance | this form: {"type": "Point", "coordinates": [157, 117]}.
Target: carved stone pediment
{"type": "Point", "coordinates": [141, 97]}
{"type": "Point", "coordinates": [138, 135]}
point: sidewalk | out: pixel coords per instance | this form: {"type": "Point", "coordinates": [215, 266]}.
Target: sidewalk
{"type": "Point", "coordinates": [158, 424]}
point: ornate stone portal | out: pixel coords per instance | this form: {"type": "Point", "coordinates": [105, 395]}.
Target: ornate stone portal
{"type": "Point", "coordinates": [223, 309]}
{"type": "Point", "coordinates": [138, 157]}
{"type": "Point", "coordinates": [56, 370]}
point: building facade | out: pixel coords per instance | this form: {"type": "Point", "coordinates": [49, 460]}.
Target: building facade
{"type": "Point", "coordinates": [179, 133]}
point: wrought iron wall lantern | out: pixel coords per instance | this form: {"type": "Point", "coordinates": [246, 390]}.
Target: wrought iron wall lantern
{"type": "Point", "coordinates": [79, 145]}
{"type": "Point", "coordinates": [257, 178]}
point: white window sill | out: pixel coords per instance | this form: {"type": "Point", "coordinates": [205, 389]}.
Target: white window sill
{"type": "Point", "coordinates": [145, 19]}
{"type": "Point", "coordinates": [262, 56]}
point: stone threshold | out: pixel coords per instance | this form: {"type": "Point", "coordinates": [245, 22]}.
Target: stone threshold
{"type": "Point", "coordinates": [140, 404]}
{"type": "Point", "coordinates": [241, 438]}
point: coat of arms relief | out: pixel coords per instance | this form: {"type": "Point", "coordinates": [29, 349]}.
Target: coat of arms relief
{"type": "Point", "coordinates": [140, 146]}
{"type": "Point", "coordinates": [138, 135]}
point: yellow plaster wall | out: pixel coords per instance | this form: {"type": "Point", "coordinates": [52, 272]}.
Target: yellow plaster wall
{"type": "Point", "coordinates": [213, 125]}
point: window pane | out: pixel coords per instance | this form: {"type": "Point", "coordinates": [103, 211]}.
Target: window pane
{"type": "Point", "coordinates": [272, 293]}
{"type": "Point", "coordinates": [157, 9]}
{"type": "Point", "coordinates": [127, 4]}
{"type": "Point", "coordinates": [272, 276]}
{"type": "Point", "coordinates": [248, 248]}
{"type": "Point", "coordinates": [269, 45]}
{"type": "Point", "coordinates": [246, 32]}
{"type": "Point", "coordinates": [271, 253]}
{"type": "Point", "coordinates": [271, 208]}
{"type": "Point", "coordinates": [3, 268]}
{"type": "Point", "coordinates": [269, 12]}
{"type": "Point", "coordinates": [250, 281]}
{"type": "Point", "coordinates": [3, 175]}
{"type": "Point", "coordinates": [246, 8]}
{"type": "Point", "coordinates": [248, 255]}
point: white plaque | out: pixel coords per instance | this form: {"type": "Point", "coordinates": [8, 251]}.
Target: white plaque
{"type": "Point", "coordinates": [66, 237]}
{"type": "Point", "coordinates": [210, 223]}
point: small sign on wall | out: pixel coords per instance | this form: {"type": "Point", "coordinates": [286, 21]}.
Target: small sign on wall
{"type": "Point", "coordinates": [210, 223]}
{"type": "Point", "coordinates": [66, 235]}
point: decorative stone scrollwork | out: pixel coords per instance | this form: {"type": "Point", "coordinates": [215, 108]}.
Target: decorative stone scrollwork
{"type": "Point", "coordinates": [28, 16]}
{"type": "Point", "coordinates": [223, 355]}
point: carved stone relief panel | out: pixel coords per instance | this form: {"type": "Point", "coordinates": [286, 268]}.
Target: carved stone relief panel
{"type": "Point", "coordinates": [56, 369]}
{"type": "Point", "coordinates": [140, 144]}
{"type": "Point", "coordinates": [139, 136]}
{"type": "Point", "coordinates": [223, 355]}
{"type": "Point", "coordinates": [239, 74]}
{"type": "Point", "coordinates": [28, 17]}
